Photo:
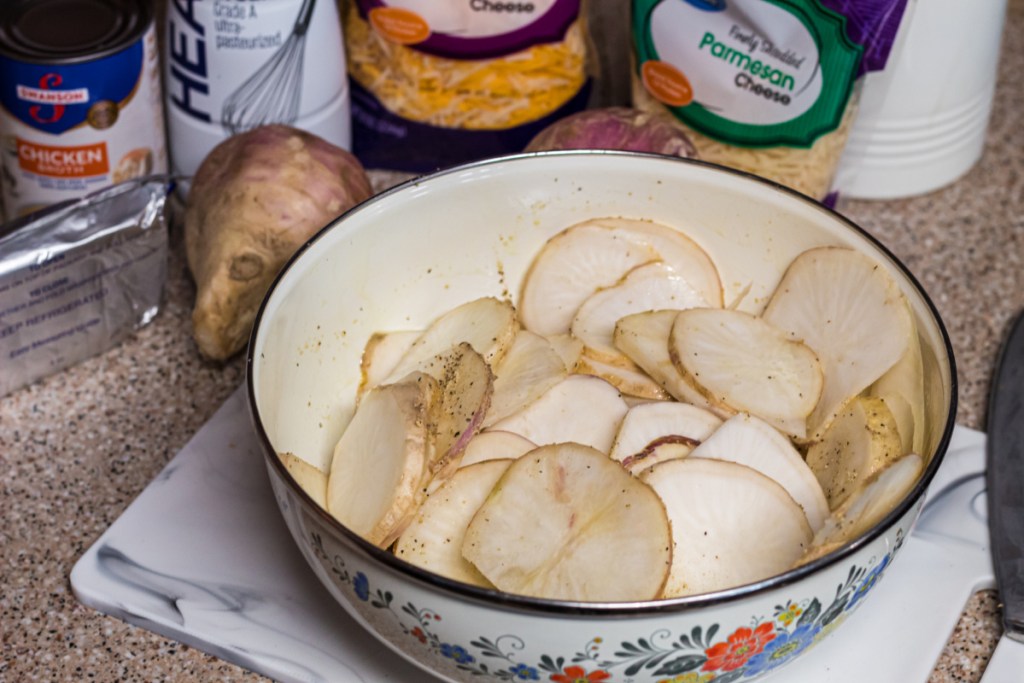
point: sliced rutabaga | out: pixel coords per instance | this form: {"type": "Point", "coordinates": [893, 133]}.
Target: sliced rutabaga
{"type": "Point", "coordinates": [567, 522]}
{"type": "Point", "coordinates": [381, 354]}
{"type": "Point", "coordinates": [580, 408]}
{"type": "Point", "coordinates": [936, 402]}
{"type": "Point", "coordinates": [878, 496]}
{"type": "Point", "coordinates": [466, 385]}
{"type": "Point", "coordinates": [488, 325]}
{"type": "Point", "coordinates": [650, 287]}
{"type": "Point", "coordinates": [568, 348]}
{"type": "Point", "coordinates": [434, 539]}
{"type": "Point", "coordinates": [630, 380]}
{"type": "Point", "coordinates": [746, 440]}
{"type": "Point", "coordinates": [687, 258]}
{"type": "Point", "coordinates": [531, 367]}
{"type": "Point", "coordinates": [495, 445]}
{"type": "Point", "coordinates": [659, 431]}
{"type": "Point", "coordinates": [851, 313]}
{"type": "Point", "coordinates": [740, 363]}
{"type": "Point", "coordinates": [574, 264]}
{"type": "Point", "coordinates": [380, 465]}
{"type": "Point", "coordinates": [731, 525]}
{"type": "Point", "coordinates": [862, 440]}
{"type": "Point", "coordinates": [310, 479]}
{"type": "Point", "coordinates": [902, 389]}
{"type": "Point", "coordinates": [597, 253]}
{"type": "Point", "coordinates": [644, 338]}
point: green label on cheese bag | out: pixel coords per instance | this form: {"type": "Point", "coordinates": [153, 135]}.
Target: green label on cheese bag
{"type": "Point", "coordinates": [755, 73]}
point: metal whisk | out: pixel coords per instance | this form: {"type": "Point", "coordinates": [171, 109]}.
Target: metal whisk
{"type": "Point", "coordinates": [273, 92]}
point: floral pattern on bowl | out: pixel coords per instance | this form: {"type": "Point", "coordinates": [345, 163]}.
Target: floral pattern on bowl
{"type": "Point", "coordinates": [700, 656]}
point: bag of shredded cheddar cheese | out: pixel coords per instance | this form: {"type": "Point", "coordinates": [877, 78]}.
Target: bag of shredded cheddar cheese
{"type": "Point", "coordinates": [440, 82]}
{"type": "Point", "coordinates": [765, 86]}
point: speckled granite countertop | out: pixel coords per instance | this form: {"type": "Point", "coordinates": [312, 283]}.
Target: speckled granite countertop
{"type": "Point", "coordinates": [76, 448]}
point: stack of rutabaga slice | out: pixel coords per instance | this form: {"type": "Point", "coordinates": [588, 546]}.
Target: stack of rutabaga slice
{"type": "Point", "coordinates": [620, 435]}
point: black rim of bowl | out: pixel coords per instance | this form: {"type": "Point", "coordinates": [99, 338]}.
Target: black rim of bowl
{"type": "Point", "coordinates": [521, 603]}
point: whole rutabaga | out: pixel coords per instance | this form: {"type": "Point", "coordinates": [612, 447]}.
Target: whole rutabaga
{"type": "Point", "coordinates": [619, 128]}
{"type": "Point", "coordinates": [256, 198]}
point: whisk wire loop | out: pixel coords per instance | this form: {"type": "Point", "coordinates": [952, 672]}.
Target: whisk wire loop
{"type": "Point", "coordinates": [273, 92]}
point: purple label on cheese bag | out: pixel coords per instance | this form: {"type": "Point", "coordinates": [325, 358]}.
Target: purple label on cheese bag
{"type": "Point", "coordinates": [382, 139]}
{"type": "Point", "coordinates": [873, 24]}
{"type": "Point", "coordinates": [480, 29]}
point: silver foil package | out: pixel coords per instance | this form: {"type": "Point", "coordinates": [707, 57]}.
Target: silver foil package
{"type": "Point", "coordinates": [79, 277]}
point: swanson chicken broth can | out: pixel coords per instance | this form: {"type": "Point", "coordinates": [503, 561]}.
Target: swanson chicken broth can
{"type": "Point", "coordinates": [233, 65]}
{"type": "Point", "coordinates": [81, 99]}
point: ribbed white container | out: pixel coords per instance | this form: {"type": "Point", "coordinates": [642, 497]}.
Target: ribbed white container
{"type": "Point", "coordinates": [923, 119]}
{"type": "Point", "coordinates": [230, 66]}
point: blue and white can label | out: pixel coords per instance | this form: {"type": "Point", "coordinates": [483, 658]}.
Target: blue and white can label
{"type": "Point", "coordinates": [67, 129]}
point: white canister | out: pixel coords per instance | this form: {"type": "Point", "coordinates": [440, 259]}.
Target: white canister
{"type": "Point", "coordinates": [923, 119]}
{"type": "Point", "coordinates": [231, 66]}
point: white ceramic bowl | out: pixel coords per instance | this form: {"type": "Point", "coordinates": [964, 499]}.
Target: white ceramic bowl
{"type": "Point", "coordinates": [404, 257]}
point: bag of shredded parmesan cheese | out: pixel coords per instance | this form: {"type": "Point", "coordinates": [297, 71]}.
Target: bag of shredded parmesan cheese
{"type": "Point", "coordinates": [765, 86]}
{"type": "Point", "coordinates": [440, 82]}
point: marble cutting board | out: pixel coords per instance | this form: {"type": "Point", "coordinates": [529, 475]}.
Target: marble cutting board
{"type": "Point", "coordinates": [202, 556]}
